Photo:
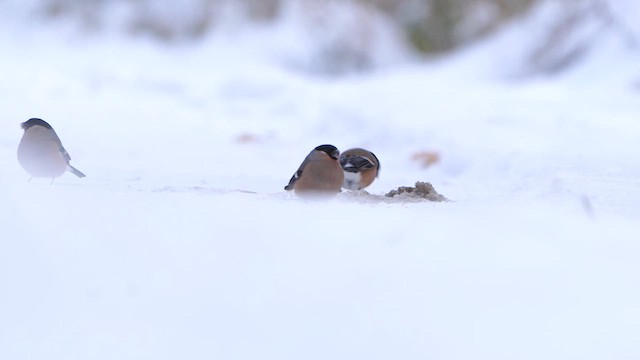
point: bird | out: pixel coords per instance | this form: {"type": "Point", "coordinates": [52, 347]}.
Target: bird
{"type": "Point", "coordinates": [319, 175]}
{"type": "Point", "coordinates": [360, 167]}
{"type": "Point", "coordinates": [41, 153]}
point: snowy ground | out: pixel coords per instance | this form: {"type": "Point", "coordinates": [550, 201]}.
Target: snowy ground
{"type": "Point", "coordinates": [181, 243]}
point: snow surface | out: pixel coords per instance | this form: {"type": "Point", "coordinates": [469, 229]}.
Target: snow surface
{"type": "Point", "coordinates": [181, 243]}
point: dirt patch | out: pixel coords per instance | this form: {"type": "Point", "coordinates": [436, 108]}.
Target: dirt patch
{"type": "Point", "coordinates": [422, 191]}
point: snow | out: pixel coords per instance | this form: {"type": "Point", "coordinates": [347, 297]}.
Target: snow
{"type": "Point", "coordinates": [181, 243]}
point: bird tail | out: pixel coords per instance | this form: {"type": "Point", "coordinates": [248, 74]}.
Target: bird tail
{"type": "Point", "coordinates": [75, 171]}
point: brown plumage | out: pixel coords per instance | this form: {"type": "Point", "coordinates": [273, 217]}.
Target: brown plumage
{"type": "Point", "coordinates": [319, 175]}
{"type": "Point", "coordinates": [41, 153]}
{"type": "Point", "coordinates": [361, 168]}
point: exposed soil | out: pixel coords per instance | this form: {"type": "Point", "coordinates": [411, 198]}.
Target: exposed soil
{"type": "Point", "coordinates": [422, 191]}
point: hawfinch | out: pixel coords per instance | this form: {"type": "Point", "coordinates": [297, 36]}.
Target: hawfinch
{"type": "Point", "coordinates": [41, 153]}
{"type": "Point", "coordinates": [320, 174]}
{"type": "Point", "coordinates": [360, 167]}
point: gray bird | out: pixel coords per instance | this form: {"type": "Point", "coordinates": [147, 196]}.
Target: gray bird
{"type": "Point", "coordinates": [41, 153]}
{"type": "Point", "coordinates": [360, 167]}
{"type": "Point", "coordinates": [319, 175]}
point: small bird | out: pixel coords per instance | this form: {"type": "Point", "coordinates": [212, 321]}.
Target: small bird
{"type": "Point", "coordinates": [319, 175]}
{"type": "Point", "coordinates": [360, 167]}
{"type": "Point", "coordinates": [41, 153]}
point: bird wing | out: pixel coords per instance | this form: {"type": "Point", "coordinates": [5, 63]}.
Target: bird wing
{"type": "Point", "coordinates": [356, 163]}
{"type": "Point", "coordinates": [298, 172]}
{"type": "Point", "coordinates": [64, 153]}
{"type": "Point", "coordinates": [294, 178]}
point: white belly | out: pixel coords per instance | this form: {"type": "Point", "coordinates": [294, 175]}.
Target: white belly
{"type": "Point", "coordinates": [351, 181]}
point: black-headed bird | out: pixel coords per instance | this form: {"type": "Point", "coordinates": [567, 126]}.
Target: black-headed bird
{"type": "Point", "coordinates": [41, 153]}
{"type": "Point", "coordinates": [360, 167]}
{"type": "Point", "coordinates": [319, 175]}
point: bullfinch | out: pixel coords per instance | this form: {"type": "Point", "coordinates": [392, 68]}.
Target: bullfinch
{"type": "Point", "coordinates": [319, 175]}
{"type": "Point", "coordinates": [360, 167]}
{"type": "Point", "coordinates": [41, 153]}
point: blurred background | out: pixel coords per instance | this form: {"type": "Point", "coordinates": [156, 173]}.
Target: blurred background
{"type": "Point", "coordinates": [340, 36]}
